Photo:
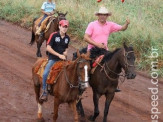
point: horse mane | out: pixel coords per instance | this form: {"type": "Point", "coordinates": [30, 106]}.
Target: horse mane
{"type": "Point", "coordinates": [81, 51]}
{"type": "Point", "coordinates": [96, 52]}
{"type": "Point", "coordinates": [109, 55]}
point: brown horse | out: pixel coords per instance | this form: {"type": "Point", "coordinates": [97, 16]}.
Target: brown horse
{"type": "Point", "coordinates": [71, 78]}
{"type": "Point", "coordinates": [53, 28]}
{"type": "Point", "coordinates": [104, 80]}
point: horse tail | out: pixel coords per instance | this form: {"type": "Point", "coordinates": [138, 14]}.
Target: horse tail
{"type": "Point", "coordinates": [33, 34]}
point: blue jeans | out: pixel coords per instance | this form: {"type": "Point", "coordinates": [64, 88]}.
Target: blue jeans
{"type": "Point", "coordinates": [45, 15]}
{"type": "Point", "coordinates": [46, 72]}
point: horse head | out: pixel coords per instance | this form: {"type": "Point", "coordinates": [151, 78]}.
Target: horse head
{"type": "Point", "coordinates": [83, 69]}
{"type": "Point", "coordinates": [61, 16]}
{"type": "Point", "coordinates": [128, 60]}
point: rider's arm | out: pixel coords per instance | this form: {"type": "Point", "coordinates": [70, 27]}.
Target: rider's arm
{"type": "Point", "coordinates": [65, 52]}
{"type": "Point", "coordinates": [47, 13]}
{"type": "Point", "coordinates": [50, 50]}
{"type": "Point", "coordinates": [125, 26]}
{"type": "Point", "coordinates": [88, 39]}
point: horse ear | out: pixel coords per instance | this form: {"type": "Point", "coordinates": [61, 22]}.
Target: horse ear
{"type": "Point", "coordinates": [78, 53]}
{"type": "Point", "coordinates": [57, 12]}
{"type": "Point", "coordinates": [66, 13]}
{"type": "Point", "coordinates": [131, 45]}
{"type": "Point", "coordinates": [125, 46]}
{"type": "Point", "coordinates": [88, 55]}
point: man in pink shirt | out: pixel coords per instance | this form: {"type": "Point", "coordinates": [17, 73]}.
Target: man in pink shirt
{"type": "Point", "coordinates": [97, 32]}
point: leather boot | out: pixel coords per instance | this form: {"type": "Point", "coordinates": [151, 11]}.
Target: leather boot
{"type": "Point", "coordinates": [44, 96]}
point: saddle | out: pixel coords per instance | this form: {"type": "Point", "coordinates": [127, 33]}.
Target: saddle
{"type": "Point", "coordinates": [54, 73]}
{"type": "Point", "coordinates": [45, 24]}
{"type": "Point", "coordinates": [96, 62]}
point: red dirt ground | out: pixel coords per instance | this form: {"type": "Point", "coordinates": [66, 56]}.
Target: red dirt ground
{"type": "Point", "coordinates": [17, 97]}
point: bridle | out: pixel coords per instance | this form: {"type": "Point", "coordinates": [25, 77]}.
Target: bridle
{"type": "Point", "coordinates": [126, 67]}
{"type": "Point", "coordinates": [80, 82]}
{"type": "Point", "coordinates": [125, 59]}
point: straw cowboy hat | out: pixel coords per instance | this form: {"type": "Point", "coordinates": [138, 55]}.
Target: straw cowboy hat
{"type": "Point", "coordinates": [103, 10]}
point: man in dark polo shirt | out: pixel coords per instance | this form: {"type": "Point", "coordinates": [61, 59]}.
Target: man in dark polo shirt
{"type": "Point", "coordinates": [57, 47]}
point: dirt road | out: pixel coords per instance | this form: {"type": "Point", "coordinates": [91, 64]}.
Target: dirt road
{"type": "Point", "coordinates": [17, 97]}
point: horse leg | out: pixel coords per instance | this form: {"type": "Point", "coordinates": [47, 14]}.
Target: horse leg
{"type": "Point", "coordinates": [33, 33]}
{"type": "Point", "coordinates": [38, 49]}
{"type": "Point", "coordinates": [32, 38]}
{"type": "Point", "coordinates": [109, 98]}
{"type": "Point", "coordinates": [39, 114]}
{"type": "Point", "coordinates": [37, 92]}
{"type": "Point", "coordinates": [56, 106]}
{"type": "Point", "coordinates": [73, 107]}
{"type": "Point", "coordinates": [80, 108]}
{"type": "Point", "coordinates": [96, 97]}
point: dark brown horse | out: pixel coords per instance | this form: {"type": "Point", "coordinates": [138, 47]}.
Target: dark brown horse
{"type": "Point", "coordinates": [72, 78]}
{"type": "Point", "coordinates": [104, 80]}
{"type": "Point", "coordinates": [53, 28]}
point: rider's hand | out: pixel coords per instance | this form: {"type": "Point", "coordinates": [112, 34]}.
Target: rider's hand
{"type": "Point", "coordinates": [48, 13]}
{"type": "Point", "coordinates": [127, 21]}
{"type": "Point", "coordinates": [101, 45]}
{"type": "Point", "coordinates": [63, 57]}
{"type": "Point", "coordinates": [65, 53]}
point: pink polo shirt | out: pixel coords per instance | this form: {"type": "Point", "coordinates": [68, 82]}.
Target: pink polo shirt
{"type": "Point", "coordinates": [100, 33]}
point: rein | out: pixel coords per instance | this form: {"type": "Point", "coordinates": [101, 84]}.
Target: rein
{"type": "Point", "coordinates": [125, 55]}
{"type": "Point", "coordinates": [79, 79]}
{"type": "Point", "coordinates": [71, 85]}
{"type": "Point", "coordinates": [126, 66]}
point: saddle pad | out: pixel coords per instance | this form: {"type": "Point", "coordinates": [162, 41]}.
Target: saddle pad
{"type": "Point", "coordinates": [55, 71]}
{"type": "Point", "coordinates": [48, 25]}
{"type": "Point", "coordinates": [96, 62]}
{"type": "Point", "coordinates": [39, 70]}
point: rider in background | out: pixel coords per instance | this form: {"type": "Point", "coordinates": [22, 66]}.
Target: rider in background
{"type": "Point", "coordinates": [57, 47]}
{"type": "Point", "coordinates": [97, 32]}
{"type": "Point", "coordinates": [48, 9]}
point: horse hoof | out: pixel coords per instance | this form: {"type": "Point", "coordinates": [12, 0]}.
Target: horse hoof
{"type": "Point", "coordinates": [41, 120]}
{"type": "Point", "coordinates": [91, 118]}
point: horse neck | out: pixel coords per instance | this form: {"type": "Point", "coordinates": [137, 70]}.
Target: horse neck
{"type": "Point", "coordinates": [114, 62]}
{"type": "Point", "coordinates": [53, 28]}
{"type": "Point", "coordinates": [71, 71]}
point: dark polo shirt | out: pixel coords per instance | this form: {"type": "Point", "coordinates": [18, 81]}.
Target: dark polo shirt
{"type": "Point", "coordinates": [58, 44]}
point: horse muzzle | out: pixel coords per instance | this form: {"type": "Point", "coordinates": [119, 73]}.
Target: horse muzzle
{"type": "Point", "coordinates": [131, 75]}
{"type": "Point", "coordinates": [83, 85]}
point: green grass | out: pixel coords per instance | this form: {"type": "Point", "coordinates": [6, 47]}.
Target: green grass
{"type": "Point", "coordinates": [145, 29]}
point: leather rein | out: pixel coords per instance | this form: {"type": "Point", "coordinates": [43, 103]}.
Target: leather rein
{"type": "Point", "coordinates": [79, 78]}
{"type": "Point", "coordinates": [107, 67]}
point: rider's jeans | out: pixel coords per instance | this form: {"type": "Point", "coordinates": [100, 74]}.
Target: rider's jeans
{"type": "Point", "coordinates": [46, 72]}
{"type": "Point", "coordinates": [45, 15]}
